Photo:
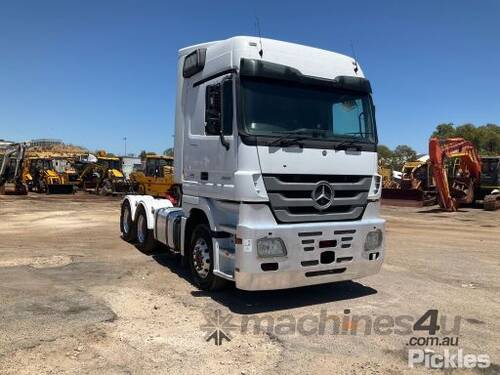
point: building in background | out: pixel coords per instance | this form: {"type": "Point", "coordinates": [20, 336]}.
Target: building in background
{"type": "Point", "coordinates": [4, 144]}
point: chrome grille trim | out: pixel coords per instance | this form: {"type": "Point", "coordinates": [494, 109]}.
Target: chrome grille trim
{"type": "Point", "coordinates": [291, 202]}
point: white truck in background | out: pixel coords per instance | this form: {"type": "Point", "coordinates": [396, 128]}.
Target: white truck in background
{"type": "Point", "coordinates": [276, 162]}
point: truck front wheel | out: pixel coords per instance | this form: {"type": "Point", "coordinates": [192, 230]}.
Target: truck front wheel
{"type": "Point", "coordinates": [201, 260]}
{"type": "Point", "coordinates": [145, 237]}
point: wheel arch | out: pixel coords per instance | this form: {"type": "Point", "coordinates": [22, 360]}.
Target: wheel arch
{"type": "Point", "coordinates": [196, 216]}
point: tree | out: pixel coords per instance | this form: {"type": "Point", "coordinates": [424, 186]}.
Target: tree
{"type": "Point", "coordinates": [486, 138]}
{"type": "Point", "coordinates": [143, 154]}
{"type": "Point", "coordinates": [169, 152]}
{"type": "Point", "coordinates": [444, 131]}
{"type": "Point", "coordinates": [395, 159]}
{"type": "Point", "coordinates": [385, 155]}
{"type": "Point", "coordinates": [489, 139]}
{"type": "Point", "coordinates": [402, 154]}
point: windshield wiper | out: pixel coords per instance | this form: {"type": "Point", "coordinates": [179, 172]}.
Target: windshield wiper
{"type": "Point", "coordinates": [352, 141]}
{"type": "Point", "coordinates": [344, 145]}
{"type": "Point", "coordinates": [286, 140]}
{"type": "Point", "coordinates": [294, 136]}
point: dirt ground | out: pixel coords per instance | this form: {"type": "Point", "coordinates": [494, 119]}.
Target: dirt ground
{"type": "Point", "coordinates": [75, 298]}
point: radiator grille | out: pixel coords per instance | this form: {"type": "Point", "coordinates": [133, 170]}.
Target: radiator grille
{"type": "Point", "coordinates": [291, 199]}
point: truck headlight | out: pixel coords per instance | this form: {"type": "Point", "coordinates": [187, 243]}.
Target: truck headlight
{"type": "Point", "coordinates": [373, 240]}
{"type": "Point", "coordinates": [270, 247]}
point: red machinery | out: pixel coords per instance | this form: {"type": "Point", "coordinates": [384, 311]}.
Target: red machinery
{"type": "Point", "coordinates": [466, 177]}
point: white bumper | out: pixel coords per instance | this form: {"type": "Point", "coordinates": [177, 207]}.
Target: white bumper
{"type": "Point", "coordinates": [304, 264]}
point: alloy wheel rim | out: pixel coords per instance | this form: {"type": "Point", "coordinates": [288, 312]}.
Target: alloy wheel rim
{"type": "Point", "coordinates": [140, 229]}
{"type": "Point", "coordinates": [201, 258]}
{"type": "Point", "coordinates": [125, 219]}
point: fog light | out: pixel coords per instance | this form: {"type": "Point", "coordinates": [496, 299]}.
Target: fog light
{"type": "Point", "coordinates": [373, 240]}
{"type": "Point", "coordinates": [270, 247]}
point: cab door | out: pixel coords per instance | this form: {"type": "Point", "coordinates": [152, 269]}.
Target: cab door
{"type": "Point", "coordinates": [210, 148]}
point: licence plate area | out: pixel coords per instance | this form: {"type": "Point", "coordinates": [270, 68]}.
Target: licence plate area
{"type": "Point", "coordinates": [319, 248]}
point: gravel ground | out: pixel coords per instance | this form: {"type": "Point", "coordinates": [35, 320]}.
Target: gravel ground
{"type": "Point", "coordinates": [75, 298]}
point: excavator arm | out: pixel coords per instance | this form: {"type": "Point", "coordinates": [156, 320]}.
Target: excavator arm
{"type": "Point", "coordinates": [13, 173]}
{"type": "Point", "coordinates": [470, 169]}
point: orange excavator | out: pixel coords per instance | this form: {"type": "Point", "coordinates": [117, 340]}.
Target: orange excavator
{"type": "Point", "coordinates": [459, 186]}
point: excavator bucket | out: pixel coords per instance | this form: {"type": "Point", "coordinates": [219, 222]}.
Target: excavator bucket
{"type": "Point", "coordinates": [60, 189]}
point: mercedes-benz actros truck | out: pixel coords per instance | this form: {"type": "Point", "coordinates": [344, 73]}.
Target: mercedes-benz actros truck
{"type": "Point", "coordinates": [275, 166]}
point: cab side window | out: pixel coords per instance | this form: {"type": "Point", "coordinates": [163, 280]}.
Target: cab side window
{"type": "Point", "coordinates": [219, 108]}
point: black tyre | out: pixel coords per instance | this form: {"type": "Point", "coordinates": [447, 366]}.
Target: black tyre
{"type": "Point", "coordinates": [127, 225]}
{"type": "Point", "coordinates": [200, 258]}
{"type": "Point", "coordinates": [145, 237]}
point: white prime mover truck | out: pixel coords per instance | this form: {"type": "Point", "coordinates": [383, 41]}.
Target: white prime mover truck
{"type": "Point", "coordinates": [276, 164]}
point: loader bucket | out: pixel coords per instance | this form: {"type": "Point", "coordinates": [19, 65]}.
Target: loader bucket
{"type": "Point", "coordinates": [60, 189]}
{"type": "Point", "coordinates": [14, 189]}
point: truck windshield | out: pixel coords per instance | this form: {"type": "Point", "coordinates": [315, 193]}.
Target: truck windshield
{"type": "Point", "coordinates": [277, 108]}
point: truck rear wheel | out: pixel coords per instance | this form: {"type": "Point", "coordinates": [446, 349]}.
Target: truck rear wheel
{"type": "Point", "coordinates": [201, 260]}
{"type": "Point", "coordinates": [127, 226]}
{"type": "Point", "coordinates": [145, 237]}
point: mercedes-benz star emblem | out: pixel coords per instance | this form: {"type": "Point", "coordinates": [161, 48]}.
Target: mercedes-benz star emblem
{"type": "Point", "coordinates": [322, 195]}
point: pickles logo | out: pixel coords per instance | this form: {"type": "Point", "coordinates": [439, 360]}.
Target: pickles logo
{"type": "Point", "coordinates": [218, 327]}
{"type": "Point", "coordinates": [448, 359]}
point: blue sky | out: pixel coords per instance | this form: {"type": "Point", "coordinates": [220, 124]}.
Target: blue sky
{"type": "Point", "coordinates": [92, 72]}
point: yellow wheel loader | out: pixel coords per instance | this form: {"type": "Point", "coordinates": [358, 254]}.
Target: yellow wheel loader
{"type": "Point", "coordinates": [104, 177]}
{"type": "Point", "coordinates": [156, 177]}
{"type": "Point", "coordinates": [41, 176]}
{"type": "Point", "coordinates": [414, 187]}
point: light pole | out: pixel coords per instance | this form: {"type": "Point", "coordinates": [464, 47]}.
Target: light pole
{"type": "Point", "coordinates": [125, 143]}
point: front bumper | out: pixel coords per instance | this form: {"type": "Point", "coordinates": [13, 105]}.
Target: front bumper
{"type": "Point", "coordinates": [304, 263]}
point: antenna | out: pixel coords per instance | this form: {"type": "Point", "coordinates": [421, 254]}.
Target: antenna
{"type": "Point", "coordinates": [355, 62]}
{"type": "Point", "coordinates": [257, 26]}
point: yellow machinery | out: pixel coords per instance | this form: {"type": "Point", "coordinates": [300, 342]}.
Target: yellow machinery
{"type": "Point", "coordinates": [415, 187]}
{"type": "Point", "coordinates": [386, 174]}
{"type": "Point", "coordinates": [41, 175]}
{"type": "Point", "coordinates": [104, 177]}
{"type": "Point", "coordinates": [156, 178]}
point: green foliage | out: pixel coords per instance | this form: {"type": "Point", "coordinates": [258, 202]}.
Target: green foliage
{"type": "Point", "coordinates": [486, 138]}
{"type": "Point", "coordinates": [396, 158]}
